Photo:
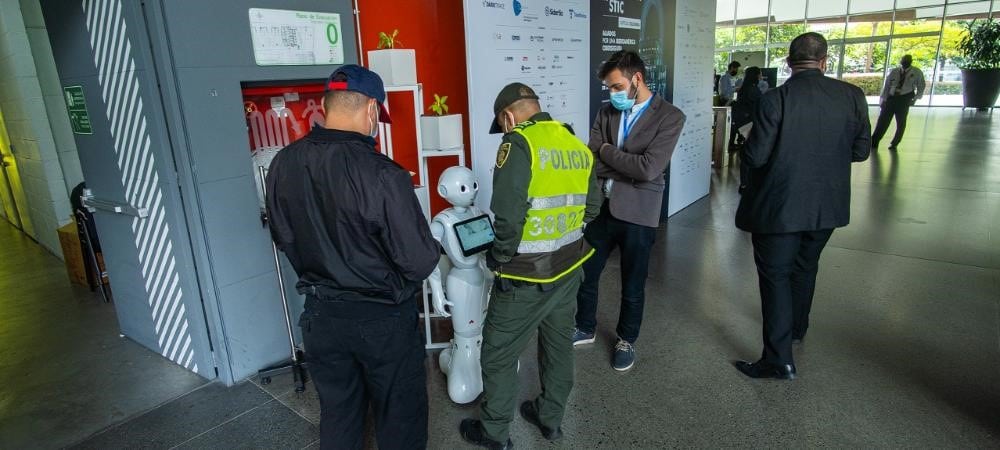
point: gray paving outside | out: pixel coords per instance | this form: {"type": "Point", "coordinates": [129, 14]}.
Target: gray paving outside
{"type": "Point", "coordinates": [903, 351]}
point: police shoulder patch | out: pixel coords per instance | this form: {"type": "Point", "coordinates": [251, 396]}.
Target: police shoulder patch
{"type": "Point", "coordinates": [502, 154]}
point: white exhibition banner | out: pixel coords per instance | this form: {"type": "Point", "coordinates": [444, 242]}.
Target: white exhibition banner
{"type": "Point", "coordinates": [693, 62]}
{"type": "Point", "coordinates": [542, 43]}
{"type": "Point", "coordinates": [282, 38]}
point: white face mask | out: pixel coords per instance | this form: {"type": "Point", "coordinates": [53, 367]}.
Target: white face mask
{"type": "Point", "coordinates": [373, 125]}
{"type": "Point", "coordinates": [508, 129]}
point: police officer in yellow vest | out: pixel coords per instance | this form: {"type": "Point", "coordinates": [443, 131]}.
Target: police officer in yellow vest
{"type": "Point", "coordinates": [544, 192]}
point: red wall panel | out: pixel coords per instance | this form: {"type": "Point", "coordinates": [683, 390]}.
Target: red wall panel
{"type": "Point", "coordinates": [435, 30]}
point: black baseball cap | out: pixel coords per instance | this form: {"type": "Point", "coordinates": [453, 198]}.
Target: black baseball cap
{"type": "Point", "coordinates": [507, 96]}
{"type": "Point", "coordinates": [361, 80]}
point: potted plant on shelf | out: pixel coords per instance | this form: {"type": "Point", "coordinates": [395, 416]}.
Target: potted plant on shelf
{"type": "Point", "coordinates": [396, 66]}
{"type": "Point", "coordinates": [980, 47]}
{"type": "Point", "coordinates": [441, 130]}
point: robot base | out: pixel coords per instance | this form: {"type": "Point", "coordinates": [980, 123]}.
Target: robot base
{"type": "Point", "coordinates": [460, 363]}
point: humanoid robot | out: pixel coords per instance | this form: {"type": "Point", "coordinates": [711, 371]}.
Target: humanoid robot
{"type": "Point", "coordinates": [464, 231]}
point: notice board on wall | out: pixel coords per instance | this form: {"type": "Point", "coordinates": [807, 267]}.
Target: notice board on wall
{"type": "Point", "coordinates": [542, 43]}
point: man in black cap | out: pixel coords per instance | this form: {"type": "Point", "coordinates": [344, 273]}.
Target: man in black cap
{"type": "Point", "coordinates": [349, 222]}
{"type": "Point", "coordinates": [544, 192]}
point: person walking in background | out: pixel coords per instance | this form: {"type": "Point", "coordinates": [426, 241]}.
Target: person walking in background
{"type": "Point", "coordinates": [349, 222]}
{"type": "Point", "coordinates": [632, 139]}
{"type": "Point", "coordinates": [806, 133]}
{"type": "Point", "coordinates": [544, 191]}
{"type": "Point", "coordinates": [903, 87]}
{"type": "Point", "coordinates": [729, 82]}
{"type": "Point", "coordinates": [743, 111]}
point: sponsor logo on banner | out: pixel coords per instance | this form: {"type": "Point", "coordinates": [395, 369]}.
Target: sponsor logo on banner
{"type": "Point", "coordinates": [553, 12]}
{"type": "Point", "coordinates": [517, 7]}
{"type": "Point", "coordinates": [494, 4]}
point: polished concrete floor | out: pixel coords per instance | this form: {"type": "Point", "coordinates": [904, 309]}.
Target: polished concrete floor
{"type": "Point", "coordinates": [904, 348]}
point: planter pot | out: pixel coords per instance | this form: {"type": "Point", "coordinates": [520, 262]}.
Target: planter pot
{"type": "Point", "coordinates": [441, 132]}
{"type": "Point", "coordinates": [397, 67]}
{"type": "Point", "coordinates": [980, 87]}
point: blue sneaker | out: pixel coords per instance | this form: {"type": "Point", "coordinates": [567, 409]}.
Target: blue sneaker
{"type": "Point", "coordinates": [624, 357]}
{"type": "Point", "coordinates": [582, 338]}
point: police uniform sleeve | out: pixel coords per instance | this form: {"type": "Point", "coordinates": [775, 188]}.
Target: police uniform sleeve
{"type": "Point", "coordinates": [511, 177]}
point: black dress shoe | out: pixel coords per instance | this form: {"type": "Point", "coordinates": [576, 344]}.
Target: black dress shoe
{"type": "Point", "coordinates": [798, 339]}
{"type": "Point", "coordinates": [764, 369]}
{"type": "Point", "coordinates": [530, 413]}
{"type": "Point", "coordinates": [472, 432]}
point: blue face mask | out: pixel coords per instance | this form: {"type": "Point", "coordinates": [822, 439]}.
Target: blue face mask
{"type": "Point", "coordinates": [621, 101]}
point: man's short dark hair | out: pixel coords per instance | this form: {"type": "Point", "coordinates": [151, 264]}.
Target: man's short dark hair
{"type": "Point", "coordinates": [626, 61]}
{"type": "Point", "coordinates": [734, 65]}
{"type": "Point", "coordinates": [807, 47]}
{"type": "Point", "coordinates": [343, 100]}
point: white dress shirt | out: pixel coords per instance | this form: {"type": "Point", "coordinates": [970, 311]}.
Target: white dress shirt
{"type": "Point", "coordinates": [913, 81]}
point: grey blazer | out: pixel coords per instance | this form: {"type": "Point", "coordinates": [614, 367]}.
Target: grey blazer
{"type": "Point", "coordinates": [638, 166]}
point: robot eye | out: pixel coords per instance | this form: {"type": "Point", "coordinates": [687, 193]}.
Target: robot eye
{"type": "Point", "coordinates": [475, 186]}
{"type": "Point", "coordinates": [464, 188]}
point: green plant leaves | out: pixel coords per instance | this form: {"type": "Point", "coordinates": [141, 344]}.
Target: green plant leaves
{"type": "Point", "coordinates": [439, 107]}
{"type": "Point", "coordinates": [981, 45]}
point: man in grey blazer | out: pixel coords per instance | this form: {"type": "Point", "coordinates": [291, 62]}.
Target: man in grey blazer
{"type": "Point", "coordinates": [633, 137]}
{"type": "Point", "coordinates": [805, 135]}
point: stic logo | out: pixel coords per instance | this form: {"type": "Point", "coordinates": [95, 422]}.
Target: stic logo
{"type": "Point", "coordinates": [517, 8]}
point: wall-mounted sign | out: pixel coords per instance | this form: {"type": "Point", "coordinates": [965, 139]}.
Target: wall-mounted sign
{"type": "Point", "coordinates": [79, 119]}
{"type": "Point", "coordinates": [295, 38]}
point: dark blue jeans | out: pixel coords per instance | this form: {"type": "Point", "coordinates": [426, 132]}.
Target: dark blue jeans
{"type": "Point", "coordinates": [636, 243]}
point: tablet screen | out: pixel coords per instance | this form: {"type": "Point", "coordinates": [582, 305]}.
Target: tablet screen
{"type": "Point", "coordinates": [475, 234]}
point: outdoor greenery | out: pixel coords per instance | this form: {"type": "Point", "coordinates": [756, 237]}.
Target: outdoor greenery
{"type": "Point", "coordinates": [980, 45]}
{"type": "Point", "coordinates": [864, 63]}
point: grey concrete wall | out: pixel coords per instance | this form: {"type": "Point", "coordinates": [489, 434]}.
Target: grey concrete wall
{"type": "Point", "coordinates": [36, 121]}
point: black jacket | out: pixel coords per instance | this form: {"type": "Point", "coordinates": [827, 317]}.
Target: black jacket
{"type": "Point", "coordinates": [348, 220]}
{"type": "Point", "coordinates": [805, 135]}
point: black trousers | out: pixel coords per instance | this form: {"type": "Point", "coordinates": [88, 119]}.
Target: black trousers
{"type": "Point", "coordinates": [357, 362]}
{"type": "Point", "coordinates": [786, 268]}
{"type": "Point", "coordinates": [636, 242]}
{"type": "Point", "coordinates": [897, 106]}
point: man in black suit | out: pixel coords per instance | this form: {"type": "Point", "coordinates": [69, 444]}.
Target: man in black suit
{"type": "Point", "coordinates": [806, 134]}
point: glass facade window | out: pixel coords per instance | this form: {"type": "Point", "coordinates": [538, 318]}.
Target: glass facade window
{"type": "Point", "coordinates": [867, 38]}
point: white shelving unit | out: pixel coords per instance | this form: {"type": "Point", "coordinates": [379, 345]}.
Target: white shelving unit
{"type": "Point", "coordinates": [385, 131]}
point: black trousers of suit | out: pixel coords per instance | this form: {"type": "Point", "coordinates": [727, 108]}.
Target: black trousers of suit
{"type": "Point", "coordinates": [897, 106]}
{"type": "Point", "coordinates": [361, 361]}
{"type": "Point", "coordinates": [787, 264]}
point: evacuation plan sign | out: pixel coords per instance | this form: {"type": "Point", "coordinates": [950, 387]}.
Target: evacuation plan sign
{"type": "Point", "coordinates": [77, 107]}
{"type": "Point", "coordinates": [295, 38]}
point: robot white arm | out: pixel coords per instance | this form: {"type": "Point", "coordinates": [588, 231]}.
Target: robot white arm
{"type": "Point", "coordinates": [438, 297]}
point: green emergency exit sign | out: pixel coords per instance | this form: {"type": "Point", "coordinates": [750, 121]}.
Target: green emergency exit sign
{"type": "Point", "coordinates": [77, 107]}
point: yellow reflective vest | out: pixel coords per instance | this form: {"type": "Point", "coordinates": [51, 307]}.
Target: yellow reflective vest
{"type": "Point", "coordinates": [552, 244]}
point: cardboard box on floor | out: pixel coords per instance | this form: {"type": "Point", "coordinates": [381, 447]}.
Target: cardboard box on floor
{"type": "Point", "coordinates": [69, 239]}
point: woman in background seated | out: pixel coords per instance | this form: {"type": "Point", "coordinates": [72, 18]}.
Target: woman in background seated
{"type": "Point", "coordinates": [748, 96]}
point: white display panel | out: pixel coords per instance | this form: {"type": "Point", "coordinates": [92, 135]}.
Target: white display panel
{"type": "Point", "coordinates": [282, 37]}
{"type": "Point", "coordinates": [694, 42]}
{"type": "Point", "coordinates": [542, 43]}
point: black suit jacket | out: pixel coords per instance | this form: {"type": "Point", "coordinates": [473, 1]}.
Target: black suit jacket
{"type": "Point", "coordinates": [805, 135]}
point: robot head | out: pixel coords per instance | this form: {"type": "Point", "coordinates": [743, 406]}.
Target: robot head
{"type": "Point", "coordinates": [458, 186]}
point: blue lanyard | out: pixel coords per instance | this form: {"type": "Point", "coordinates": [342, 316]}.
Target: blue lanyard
{"type": "Point", "coordinates": [629, 123]}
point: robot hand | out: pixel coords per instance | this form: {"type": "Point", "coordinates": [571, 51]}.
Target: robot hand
{"type": "Point", "coordinates": [439, 300]}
